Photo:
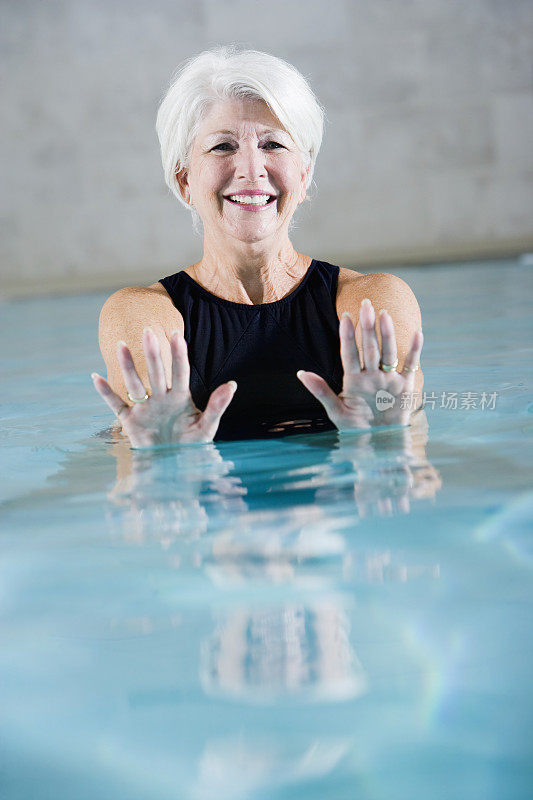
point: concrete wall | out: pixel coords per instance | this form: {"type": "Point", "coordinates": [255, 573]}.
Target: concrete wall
{"type": "Point", "coordinates": [427, 152]}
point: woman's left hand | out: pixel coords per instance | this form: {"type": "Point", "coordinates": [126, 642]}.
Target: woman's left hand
{"type": "Point", "coordinates": [370, 396]}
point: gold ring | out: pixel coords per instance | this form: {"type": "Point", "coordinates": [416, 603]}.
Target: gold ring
{"type": "Point", "coordinates": [408, 369]}
{"type": "Point", "coordinates": [138, 399]}
{"type": "Point", "coordinates": [388, 367]}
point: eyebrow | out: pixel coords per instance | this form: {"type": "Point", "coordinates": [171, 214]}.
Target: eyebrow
{"type": "Point", "coordinates": [275, 131]}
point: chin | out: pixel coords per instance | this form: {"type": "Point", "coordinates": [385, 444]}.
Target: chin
{"type": "Point", "coordinates": [250, 235]}
{"type": "Point", "coordinates": [251, 239]}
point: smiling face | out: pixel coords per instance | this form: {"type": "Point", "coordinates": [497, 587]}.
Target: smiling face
{"type": "Point", "coordinates": [242, 150]}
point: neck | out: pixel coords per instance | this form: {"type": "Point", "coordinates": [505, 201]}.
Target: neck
{"type": "Point", "coordinates": [250, 272]}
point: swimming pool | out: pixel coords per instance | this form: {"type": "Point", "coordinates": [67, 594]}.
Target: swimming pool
{"type": "Point", "coordinates": [310, 617]}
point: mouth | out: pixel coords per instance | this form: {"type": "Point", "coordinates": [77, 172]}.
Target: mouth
{"type": "Point", "coordinates": [252, 203]}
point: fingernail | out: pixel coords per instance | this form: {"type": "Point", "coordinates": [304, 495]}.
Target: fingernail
{"type": "Point", "coordinates": [300, 373]}
{"type": "Point", "coordinates": [382, 311]}
{"type": "Point", "coordinates": [233, 384]}
{"type": "Point", "coordinates": [121, 341]}
{"type": "Point", "coordinates": [365, 301]}
{"type": "Point", "coordinates": [94, 375]}
{"type": "Point", "coordinates": [174, 332]}
{"type": "Point", "coordinates": [346, 314]}
{"type": "Point", "coordinates": [148, 328]}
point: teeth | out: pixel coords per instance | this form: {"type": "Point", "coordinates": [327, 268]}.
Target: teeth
{"type": "Point", "coordinates": [257, 199]}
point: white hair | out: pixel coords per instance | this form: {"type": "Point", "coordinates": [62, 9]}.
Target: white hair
{"type": "Point", "coordinates": [227, 72]}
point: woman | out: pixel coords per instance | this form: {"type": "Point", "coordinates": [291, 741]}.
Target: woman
{"type": "Point", "coordinates": [247, 341]}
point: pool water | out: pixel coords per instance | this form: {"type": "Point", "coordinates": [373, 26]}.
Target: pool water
{"type": "Point", "coordinates": [318, 616]}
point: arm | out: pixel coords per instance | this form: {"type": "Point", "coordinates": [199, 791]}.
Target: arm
{"type": "Point", "coordinates": [142, 342]}
{"type": "Point", "coordinates": [371, 395]}
{"type": "Point", "coordinates": [123, 317]}
{"type": "Point", "coordinates": [397, 298]}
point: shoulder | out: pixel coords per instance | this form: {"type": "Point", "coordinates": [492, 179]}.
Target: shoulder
{"type": "Point", "coordinates": [128, 311]}
{"type": "Point", "coordinates": [145, 295]}
{"type": "Point", "coordinates": [140, 302]}
{"type": "Point", "coordinates": [383, 289]}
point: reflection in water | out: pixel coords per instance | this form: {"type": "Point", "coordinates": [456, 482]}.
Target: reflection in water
{"type": "Point", "coordinates": [169, 494]}
{"type": "Point", "coordinates": [266, 655]}
{"type": "Point", "coordinates": [282, 532]}
{"type": "Point", "coordinates": [240, 524]}
{"type": "Point", "coordinates": [292, 525]}
{"type": "Point", "coordinates": [187, 491]}
{"type": "Point", "coordinates": [237, 768]}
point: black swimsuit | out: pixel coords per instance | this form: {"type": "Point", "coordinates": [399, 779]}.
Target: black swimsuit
{"type": "Point", "coordinates": [262, 347]}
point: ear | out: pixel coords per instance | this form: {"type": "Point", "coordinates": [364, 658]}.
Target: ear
{"type": "Point", "coordinates": [305, 176]}
{"type": "Point", "coordinates": [182, 178]}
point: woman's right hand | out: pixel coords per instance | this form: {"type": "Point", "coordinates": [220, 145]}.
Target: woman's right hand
{"type": "Point", "coordinates": [168, 415]}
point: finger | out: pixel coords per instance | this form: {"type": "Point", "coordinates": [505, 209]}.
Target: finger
{"type": "Point", "coordinates": [154, 362]}
{"type": "Point", "coordinates": [349, 353]}
{"type": "Point", "coordinates": [367, 320]}
{"type": "Point", "coordinates": [402, 504]}
{"type": "Point", "coordinates": [389, 350]}
{"type": "Point", "coordinates": [323, 393]}
{"type": "Point", "coordinates": [217, 404]}
{"type": "Point", "coordinates": [115, 403]}
{"type": "Point", "coordinates": [412, 359]}
{"type": "Point", "coordinates": [362, 507]}
{"type": "Point", "coordinates": [181, 370]}
{"type": "Point", "coordinates": [384, 506]}
{"type": "Point", "coordinates": [134, 385]}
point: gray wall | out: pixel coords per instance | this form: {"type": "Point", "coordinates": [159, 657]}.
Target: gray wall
{"type": "Point", "coordinates": [427, 152]}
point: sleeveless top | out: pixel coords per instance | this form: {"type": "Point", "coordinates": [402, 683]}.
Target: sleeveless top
{"type": "Point", "coordinates": [262, 347]}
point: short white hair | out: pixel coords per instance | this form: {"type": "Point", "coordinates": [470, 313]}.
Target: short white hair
{"type": "Point", "coordinates": [226, 72]}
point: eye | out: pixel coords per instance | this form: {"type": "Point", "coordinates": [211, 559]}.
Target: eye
{"type": "Point", "coordinates": [227, 146]}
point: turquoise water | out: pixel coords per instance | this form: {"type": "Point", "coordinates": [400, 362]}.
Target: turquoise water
{"type": "Point", "coordinates": [311, 617]}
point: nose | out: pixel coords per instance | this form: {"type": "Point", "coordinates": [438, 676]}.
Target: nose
{"type": "Point", "coordinates": [250, 161]}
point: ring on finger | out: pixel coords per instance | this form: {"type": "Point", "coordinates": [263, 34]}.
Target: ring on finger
{"type": "Point", "coordinates": [388, 367]}
{"type": "Point", "coordinates": [408, 369]}
{"type": "Point", "coordinates": [138, 399]}
{"type": "Point", "coordinates": [121, 409]}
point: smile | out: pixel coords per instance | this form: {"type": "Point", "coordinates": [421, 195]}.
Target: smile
{"type": "Point", "coordinates": [251, 201]}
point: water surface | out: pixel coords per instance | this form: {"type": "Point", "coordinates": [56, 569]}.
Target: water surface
{"type": "Point", "coordinates": [311, 617]}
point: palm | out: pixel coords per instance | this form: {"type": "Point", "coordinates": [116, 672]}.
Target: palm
{"type": "Point", "coordinates": [365, 386]}
{"type": "Point", "coordinates": [169, 414]}
{"type": "Point", "coordinates": [162, 418]}
{"type": "Point", "coordinates": [370, 396]}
